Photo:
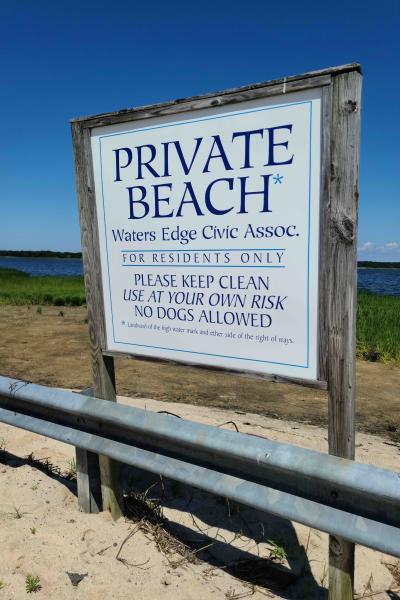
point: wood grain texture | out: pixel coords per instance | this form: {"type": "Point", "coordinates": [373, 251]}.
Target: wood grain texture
{"type": "Point", "coordinates": [326, 123]}
{"type": "Point", "coordinates": [88, 481]}
{"type": "Point", "coordinates": [88, 476]}
{"type": "Point", "coordinates": [342, 296]}
{"type": "Point", "coordinates": [208, 101]}
{"type": "Point", "coordinates": [341, 569]}
{"type": "Point", "coordinates": [343, 262]}
{"type": "Point", "coordinates": [102, 366]}
{"type": "Point", "coordinates": [273, 87]}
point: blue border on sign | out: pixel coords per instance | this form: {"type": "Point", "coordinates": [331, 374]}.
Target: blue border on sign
{"type": "Point", "coordinates": [188, 122]}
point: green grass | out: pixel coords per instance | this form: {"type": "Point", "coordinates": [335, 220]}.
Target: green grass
{"type": "Point", "coordinates": [378, 327]}
{"type": "Point", "coordinates": [32, 584]}
{"type": "Point", "coordinates": [277, 551]}
{"type": "Point", "coordinates": [17, 287]}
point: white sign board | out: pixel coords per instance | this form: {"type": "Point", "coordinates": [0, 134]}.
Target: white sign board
{"type": "Point", "coordinates": [209, 234]}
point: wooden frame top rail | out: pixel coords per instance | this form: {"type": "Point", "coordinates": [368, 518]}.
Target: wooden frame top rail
{"type": "Point", "coordinates": [273, 87]}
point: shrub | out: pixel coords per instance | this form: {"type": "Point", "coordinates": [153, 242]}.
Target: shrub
{"type": "Point", "coordinates": [59, 301]}
{"type": "Point", "coordinates": [32, 584]}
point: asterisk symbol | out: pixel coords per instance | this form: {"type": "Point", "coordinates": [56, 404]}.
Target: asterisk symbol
{"type": "Point", "coordinates": [278, 178]}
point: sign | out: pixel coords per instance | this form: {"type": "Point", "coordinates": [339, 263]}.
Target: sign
{"type": "Point", "coordinates": [221, 230]}
{"type": "Point", "coordinates": [209, 234]}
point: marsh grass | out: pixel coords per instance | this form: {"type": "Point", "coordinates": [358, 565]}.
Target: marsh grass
{"type": "Point", "coordinates": [71, 470]}
{"type": "Point", "coordinates": [378, 327]}
{"type": "Point", "coordinates": [19, 288]}
{"type": "Point", "coordinates": [17, 513]}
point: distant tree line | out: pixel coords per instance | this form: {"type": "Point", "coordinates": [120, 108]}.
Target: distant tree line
{"type": "Point", "coordinates": [383, 265]}
{"type": "Point", "coordinates": [50, 254]}
{"type": "Point", "coordinates": [40, 254]}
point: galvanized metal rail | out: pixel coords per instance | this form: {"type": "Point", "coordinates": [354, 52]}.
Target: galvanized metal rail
{"type": "Point", "coordinates": [355, 501]}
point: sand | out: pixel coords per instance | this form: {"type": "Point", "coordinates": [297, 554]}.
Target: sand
{"type": "Point", "coordinates": [44, 534]}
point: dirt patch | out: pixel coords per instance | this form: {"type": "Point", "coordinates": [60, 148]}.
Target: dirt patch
{"type": "Point", "coordinates": [51, 347]}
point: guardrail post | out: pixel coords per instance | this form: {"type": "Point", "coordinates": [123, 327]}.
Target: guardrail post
{"type": "Point", "coordinates": [342, 286]}
{"type": "Point", "coordinates": [88, 476]}
{"type": "Point", "coordinates": [110, 470]}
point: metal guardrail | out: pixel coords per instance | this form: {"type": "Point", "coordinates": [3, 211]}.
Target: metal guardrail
{"type": "Point", "coordinates": [358, 502]}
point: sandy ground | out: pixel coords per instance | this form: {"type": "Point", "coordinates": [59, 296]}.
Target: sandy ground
{"type": "Point", "coordinates": [53, 350]}
{"type": "Point", "coordinates": [44, 534]}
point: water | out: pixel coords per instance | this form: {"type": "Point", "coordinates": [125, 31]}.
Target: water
{"type": "Point", "coordinates": [43, 266]}
{"type": "Point", "coordinates": [379, 281]}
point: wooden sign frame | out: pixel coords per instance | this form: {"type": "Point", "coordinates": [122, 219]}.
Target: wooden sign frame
{"type": "Point", "coordinates": [341, 97]}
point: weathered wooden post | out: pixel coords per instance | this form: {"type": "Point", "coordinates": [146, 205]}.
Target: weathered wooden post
{"type": "Point", "coordinates": [342, 295]}
{"type": "Point", "coordinates": [102, 366]}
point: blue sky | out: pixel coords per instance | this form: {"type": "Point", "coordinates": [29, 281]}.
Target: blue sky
{"type": "Point", "coordinates": [64, 59]}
